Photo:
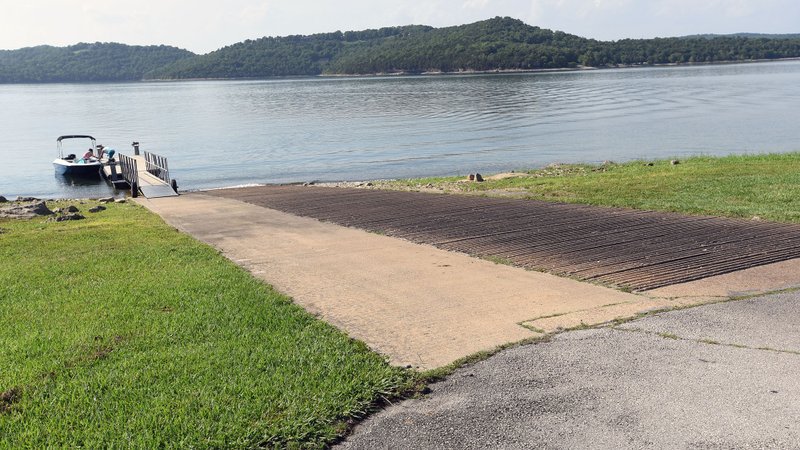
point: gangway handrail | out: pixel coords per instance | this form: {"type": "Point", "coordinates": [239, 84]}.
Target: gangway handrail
{"type": "Point", "coordinates": [130, 172]}
{"type": "Point", "coordinates": [157, 165]}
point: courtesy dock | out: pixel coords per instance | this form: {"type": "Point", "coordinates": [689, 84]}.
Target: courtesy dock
{"type": "Point", "coordinates": [144, 172]}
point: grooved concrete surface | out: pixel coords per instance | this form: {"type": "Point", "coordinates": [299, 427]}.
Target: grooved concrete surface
{"type": "Point", "coordinates": [640, 250]}
{"type": "Point", "coordinates": [656, 382]}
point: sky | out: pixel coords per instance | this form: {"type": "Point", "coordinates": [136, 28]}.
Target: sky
{"type": "Point", "coordinates": [203, 25]}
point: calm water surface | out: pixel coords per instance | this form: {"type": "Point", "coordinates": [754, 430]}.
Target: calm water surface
{"type": "Point", "coordinates": [225, 133]}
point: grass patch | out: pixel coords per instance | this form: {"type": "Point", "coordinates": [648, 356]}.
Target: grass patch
{"type": "Point", "coordinates": [498, 260]}
{"type": "Point", "coordinates": [765, 186]}
{"type": "Point", "coordinates": [119, 331]}
{"type": "Point", "coordinates": [669, 336]}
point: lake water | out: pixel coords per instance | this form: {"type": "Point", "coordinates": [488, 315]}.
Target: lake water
{"type": "Point", "coordinates": [225, 133]}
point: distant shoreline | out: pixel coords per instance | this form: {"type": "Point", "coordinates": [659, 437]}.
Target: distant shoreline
{"type": "Point", "coordinates": [419, 74]}
{"type": "Point", "coordinates": [560, 69]}
{"type": "Point", "coordinates": [477, 72]}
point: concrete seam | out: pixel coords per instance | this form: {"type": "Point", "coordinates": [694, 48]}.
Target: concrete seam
{"type": "Point", "coordinates": [666, 335]}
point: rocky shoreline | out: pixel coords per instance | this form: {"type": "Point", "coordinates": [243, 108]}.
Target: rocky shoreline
{"type": "Point", "coordinates": [32, 207]}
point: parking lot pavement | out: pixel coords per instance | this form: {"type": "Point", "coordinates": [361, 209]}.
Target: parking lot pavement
{"type": "Point", "coordinates": [714, 376]}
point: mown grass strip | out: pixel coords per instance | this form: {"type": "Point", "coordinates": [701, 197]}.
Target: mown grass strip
{"type": "Point", "coordinates": [119, 331]}
{"type": "Point", "coordinates": [762, 186]}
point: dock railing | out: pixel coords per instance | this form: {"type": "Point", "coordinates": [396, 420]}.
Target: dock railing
{"type": "Point", "coordinates": [130, 172]}
{"type": "Point", "coordinates": [157, 165]}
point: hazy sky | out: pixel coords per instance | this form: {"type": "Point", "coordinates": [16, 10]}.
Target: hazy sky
{"type": "Point", "coordinates": [202, 26]}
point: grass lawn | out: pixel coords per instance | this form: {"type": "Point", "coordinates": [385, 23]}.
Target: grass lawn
{"type": "Point", "coordinates": [118, 331]}
{"type": "Point", "coordinates": [763, 186]}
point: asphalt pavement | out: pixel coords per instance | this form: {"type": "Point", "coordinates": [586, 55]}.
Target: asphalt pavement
{"type": "Point", "coordinates": [724, 375]}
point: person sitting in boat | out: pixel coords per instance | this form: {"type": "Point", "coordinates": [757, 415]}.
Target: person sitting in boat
{"type": "Point", "coordinates": [87, 157]}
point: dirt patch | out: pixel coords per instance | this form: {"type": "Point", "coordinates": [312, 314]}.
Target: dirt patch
{"type": "Point", "coordinates": [102, 352]}
{"type": "Point", "coordinates": [9, 398]}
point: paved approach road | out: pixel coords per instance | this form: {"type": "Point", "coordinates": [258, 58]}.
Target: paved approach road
{"type": "Point", "coordinates": [725, 375]}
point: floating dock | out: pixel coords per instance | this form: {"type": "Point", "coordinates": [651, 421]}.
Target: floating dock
{"type": "Point", "coordinates": [112, 172]}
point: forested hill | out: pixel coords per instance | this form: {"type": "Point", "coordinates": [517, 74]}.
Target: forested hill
{"type": "Point", "coordinates": [85, 62]}
{"type": "Point", "coordinates": [501, 43]}
{"type": "Point", "coordinates": [494, 44]}
{"type": "Point", "coordinates": [284, 56]}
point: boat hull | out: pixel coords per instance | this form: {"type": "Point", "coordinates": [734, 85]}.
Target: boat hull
{"type": "Point", "coordinates": [86, 170]}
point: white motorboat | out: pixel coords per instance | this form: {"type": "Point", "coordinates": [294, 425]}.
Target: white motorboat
{"type": "Point", "coordinates": [72, 165]}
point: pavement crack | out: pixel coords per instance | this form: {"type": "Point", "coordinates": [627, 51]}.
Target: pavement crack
{"type": "Point", "coordinates": [671, 336]}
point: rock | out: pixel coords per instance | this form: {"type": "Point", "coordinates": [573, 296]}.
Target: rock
{"type": "Point", "coordinates": [674, 162]}
{"type": "Point", "coordinates": [26, 211]}
{"type": "Point", "coordinates": [68, 209]}
{"type": "Point", "coordinates": [97, 208]}
{"type": "Point", "coordinates": [66, 217]}
{"type": "Point", "coordinates": [27, 199]}
{"type": "Point", "coordinates": [478, 178]}
{"type": "Point", "coordinates": [120, 200]}
{"type": "Point", "coordinates": [105, 200]}
{"type": "Point", "coordinates": [3, 199]}
{"type": "Point", "coordinates": [368, 185]}
{"type": "Point", "coordinates": [649, 164]}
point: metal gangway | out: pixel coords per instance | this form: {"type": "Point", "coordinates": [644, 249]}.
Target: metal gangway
{"type": "Point", "coordinates": [148, 174]}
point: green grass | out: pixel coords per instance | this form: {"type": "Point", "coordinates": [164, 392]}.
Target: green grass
{"type": "Point", "coordinates": [764, 186]}
{"type": "Point", "coordinates": [118, 331]}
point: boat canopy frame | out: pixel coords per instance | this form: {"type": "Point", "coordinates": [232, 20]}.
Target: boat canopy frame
{"type": "Point", "coordinates": [75, 136]}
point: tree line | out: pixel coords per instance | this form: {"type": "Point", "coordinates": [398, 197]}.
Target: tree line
{"type": "Point", "coordinates": [85, 62]}
{"type": "Point", "coordinates": [501, 43]}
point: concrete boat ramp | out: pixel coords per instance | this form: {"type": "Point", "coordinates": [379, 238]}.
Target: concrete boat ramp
{"type": "Point", "coordinates": [424, 305]}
